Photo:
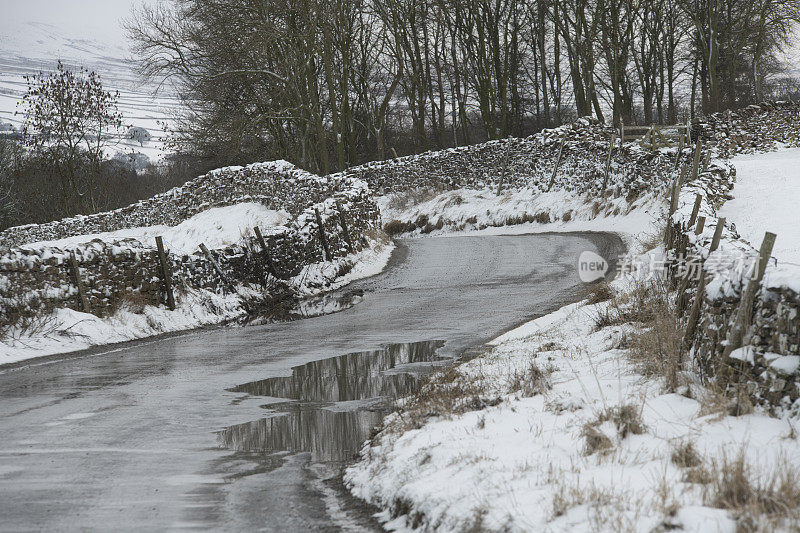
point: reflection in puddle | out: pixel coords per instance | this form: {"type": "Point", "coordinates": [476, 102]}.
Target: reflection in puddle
{"type": "Point", "coordinates": [307, 308]}
{"type": "Point", "coordinates": [334, 403]}
{"type": "Point", "coordinates": [330, 436]}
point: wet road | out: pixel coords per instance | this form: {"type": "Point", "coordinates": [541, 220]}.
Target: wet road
{"type": "Point", "coordinates": [191, 432]}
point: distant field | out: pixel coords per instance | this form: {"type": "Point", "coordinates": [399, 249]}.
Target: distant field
{"type": "Point", "coordinates": [37, 47]}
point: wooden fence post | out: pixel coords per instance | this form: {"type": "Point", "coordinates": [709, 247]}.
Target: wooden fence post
{"type": "Point", "coordinates": [696, 163]}
{"type": "Point", "coordinates": [673, 206]}
{"type": "Point", "coordinates": [166, 273]}
{"type": "Point", "coordinates": [323, 240]}
{"type": "Point", "coordinates": [695, 210]}
{"type": "Point", "coordinates": [343, 223]}
{"type": "Point", "coordinates": [694, 314]}
{"type": "Point", "coordinates": [701, 224]}
{"type": "Point", "coordinates": [76, 274]}
{"type": "Point", "coordinates": [680, 300]}
{"type": "Point", "coordinates": [608, 160]}
{"type": "Point", "coordinates": [505, 165]}
{"type": "Point", "coordinates": [676, 192]}
{"type": "Point", "coordinates": [717, 234]}
{"type": "Point", "coordinates": [745, 311]}
{"type": "Point", "coordinates": [707, 160]}
{"type": "Point", "coordinates": [265, 251]}
{"type": "Point", "coordinates": [216, 266]}
{"type": "Point", "coordinates": [558, 162]}
{"type": "Point", "coordinates": [680, 150]}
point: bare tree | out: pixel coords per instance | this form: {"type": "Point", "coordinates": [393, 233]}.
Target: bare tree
{"type": "Point", "coordinates": [68, 119]}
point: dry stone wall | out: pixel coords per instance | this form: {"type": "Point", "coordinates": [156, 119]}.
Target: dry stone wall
{"type": "Point", "coordinates": [527, 162]}
{"type": "Point", "coordinates": [756, 128]}
{"type": "Point", "coordinates": [766, 367]}
{"type": "Point", "coordinates": [37, 279]}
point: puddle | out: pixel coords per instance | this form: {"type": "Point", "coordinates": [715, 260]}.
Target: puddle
{"type": "Point", "coordinates": [329, 407]}
{"type": "Point", "coordinates": [306, 308]}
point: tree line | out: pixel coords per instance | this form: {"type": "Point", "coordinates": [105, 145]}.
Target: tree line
{"type": "Point", "coordinates": [331, 83]}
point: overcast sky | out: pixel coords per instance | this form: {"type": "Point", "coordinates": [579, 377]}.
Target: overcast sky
{"type": "Point", "coordinates": [98, 19]}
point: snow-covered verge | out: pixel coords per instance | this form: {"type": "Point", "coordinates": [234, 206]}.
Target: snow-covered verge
{"type": "Point", "coordinates": [557, 428]}
{"type": "Point", "coordinates": [66, 330]}
{"type": "Point", "coordinates": [528, 211]}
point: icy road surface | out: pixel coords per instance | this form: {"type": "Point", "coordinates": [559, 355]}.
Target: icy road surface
{"type": "Point", "coordinates": [173, 433]}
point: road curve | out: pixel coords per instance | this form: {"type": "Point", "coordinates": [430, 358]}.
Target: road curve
{"type": "Point", "coordinates": [154, 435]}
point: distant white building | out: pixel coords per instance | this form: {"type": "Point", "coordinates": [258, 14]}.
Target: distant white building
{"type": "Point", "coordinates": [139, 135]}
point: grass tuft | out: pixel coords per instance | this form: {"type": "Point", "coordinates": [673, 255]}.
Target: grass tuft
{"type": "Point", "coordinates": [684, 455]}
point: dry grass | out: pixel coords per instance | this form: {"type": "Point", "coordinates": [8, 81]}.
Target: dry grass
{"type": "Point", "coordinates": [413, 196]}
{"type": "Point", "coordinates": [598, 292]}
{"type": "Point", "coordinates": [133, 301]}
{"type": "Point", "coordinates": [654, 240]}
{"type": "Point", "coordinates": [595, 440]}
{"type": "Point", "coordinates": [626, 418]}
{"type": "Point", "coordinates": [531, 382]}
{"type": "Point", "coordinates": [445, 393]}
{"type": "Point", "coordinates": [376, 235]}
{"type": "Point", "coordinates": [656, 348]}
{"type": "Point", "coordinates": [606, 507]}
{"type": "Point", "coordinates": [634, 306]}
{"type": "Point", "coordinates": [23, 314]}
{"type": "Point", "coordinates": [396, 227]}
{"type": "Point", "coordinates": [684, 455]}
{"type": "Point", "coordinates": [760, 503]}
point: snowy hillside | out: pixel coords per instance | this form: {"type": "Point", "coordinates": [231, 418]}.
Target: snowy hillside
{"type": "Point", "coordinates": [31, 46]}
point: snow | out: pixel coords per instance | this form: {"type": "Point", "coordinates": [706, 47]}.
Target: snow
{"type": "Point", "coordinates": [786, 364]}
{"type": "Point", "coordinates": [35, 34]}
{"type": "Point", "coordinates": [745, 353]}
{"type": "Point", "coordinates": [217, 227]}
{"type": "Point", "coordinates": [765, 199]}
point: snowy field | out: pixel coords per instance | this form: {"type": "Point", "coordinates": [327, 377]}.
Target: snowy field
{"type": "Point", "coordinates": [766, 198]}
